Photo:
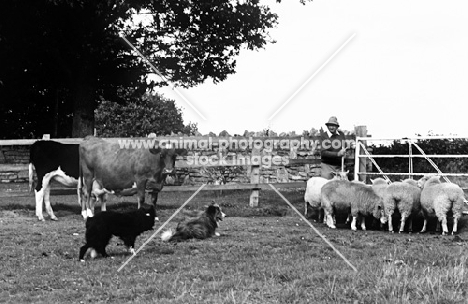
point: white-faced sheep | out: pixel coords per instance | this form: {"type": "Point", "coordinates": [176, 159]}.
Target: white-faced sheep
{"type": "Point", "coordinates": [345, 197]}
{"type": "Point", "coordinates": [313, 189]}
{"type": "Point", "coordinates": [440, 198]}
{"type": "Point", "coordinates": [405, 197]}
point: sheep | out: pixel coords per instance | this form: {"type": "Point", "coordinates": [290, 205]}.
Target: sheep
{"type": "Point", "coordinates": [379, 185]}
{"type": "Point", "coordinates": [405, 197]}
{"type": "Point", "coordinates": [312, 192]}
{"type": "Point", "coordinates": [411, 182]}
{"type": "Point", "coordinates": [423, 180]}
{"type": "Point", "coordinates": [345, 196]}
{"type": "Point", "coordinates": [439, 198]}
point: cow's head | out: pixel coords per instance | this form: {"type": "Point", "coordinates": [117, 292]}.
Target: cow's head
{"type": "Point", "coordinates": [167, 158]}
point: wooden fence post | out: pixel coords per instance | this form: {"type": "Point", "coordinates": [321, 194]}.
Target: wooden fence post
{"type": "Point", "coordinates": [254, 179]}
{"type": "Point", "coordinates": [361, 131]}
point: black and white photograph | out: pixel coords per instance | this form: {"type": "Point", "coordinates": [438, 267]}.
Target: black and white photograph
{"type": "Point", "coordinates": [233, 151]}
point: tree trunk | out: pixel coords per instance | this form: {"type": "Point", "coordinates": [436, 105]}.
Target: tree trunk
{"type": "Point", "coordinates": [83, 95]}
{"type": "Point", "coordinates": [56, 113]}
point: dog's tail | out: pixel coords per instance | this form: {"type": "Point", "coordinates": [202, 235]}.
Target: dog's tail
{"type": "Point", "coordinates": [166, 236]}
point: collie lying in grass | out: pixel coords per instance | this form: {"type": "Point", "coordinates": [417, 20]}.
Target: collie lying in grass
{"type": "Point", "coordinates": [201, 227]}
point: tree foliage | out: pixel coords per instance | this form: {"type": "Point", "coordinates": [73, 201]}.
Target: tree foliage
{"type": "Point", "coordinates": [59, 58]}
{"type": "Point", "coordinates": [151, 114]}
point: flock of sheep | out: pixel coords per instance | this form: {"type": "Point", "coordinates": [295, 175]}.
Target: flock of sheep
{"type": "Point", "coordinates": [381, 200]}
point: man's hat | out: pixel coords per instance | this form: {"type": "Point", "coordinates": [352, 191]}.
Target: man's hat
{"type": "Point", "coordinates": [333, 121]}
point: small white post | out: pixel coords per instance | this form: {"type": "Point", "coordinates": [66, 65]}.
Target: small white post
{"type": "Point", "coordinates": [356, 159]}
{"type": "Point", "coordinates": [361, 132]}
{"type": "Point", "coordinates": [254, 179]}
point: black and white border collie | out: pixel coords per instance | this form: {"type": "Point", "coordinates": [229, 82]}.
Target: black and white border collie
{"type": "Point", "coordinates": [125, 225]}
{"type": "Point", "coordinates": [201, 227]}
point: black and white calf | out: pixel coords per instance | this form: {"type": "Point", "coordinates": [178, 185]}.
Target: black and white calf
{"type": "Point", "coordinates": [52, 161]}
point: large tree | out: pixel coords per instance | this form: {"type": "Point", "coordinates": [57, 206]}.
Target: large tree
{"type": "Point", "coordinates": [58, 58]}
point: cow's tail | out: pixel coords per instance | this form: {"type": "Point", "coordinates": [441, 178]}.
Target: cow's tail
{"type": "Point", "coordinates": [166, 236]}
{"type": "Point", "coordinates": [31, 177]}
{"type": "Point", "coordinates": [79, 188]}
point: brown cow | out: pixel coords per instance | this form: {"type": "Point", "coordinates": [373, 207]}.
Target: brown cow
{"type": "Point", "coordinates": [116, 168]}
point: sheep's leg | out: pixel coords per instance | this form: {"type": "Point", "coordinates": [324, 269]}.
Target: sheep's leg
{"type": "Point", "coordinates": [325, 217]}
{"type": "Point", "coordinates": [444, 226]}
{"type": "Point", "coordinates": [402, 223]}
{"type": "Point", "coordinates": [455, 225]}
{"type": "Point", "coordinates": [424, 225]}
{"type": "Point", "coordinates": [425, 222]}
{"type": "Point", "coordinates": [363, 222]}
{"type": "Point", "coordinates": [305, 209]}
{"type": "Point", "coordinates": [390, 223]}
{"type": "Point", "coordinates": [330, 221]}
{"type": "Point", "coordinates": [353, 223]}
{"type": "Point", "coordinates": [321, 215]}
{"type": "Point", "coordinates": [349, 218]}
{"type": "Point", "coordinates": [410, 224]}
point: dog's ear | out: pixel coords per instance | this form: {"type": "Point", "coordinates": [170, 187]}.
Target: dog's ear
{"type": "Point", "coordinates": [211, 210]}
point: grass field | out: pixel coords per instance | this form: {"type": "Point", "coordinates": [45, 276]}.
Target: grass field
{"type": "Point", "coordinates": [264, 255]}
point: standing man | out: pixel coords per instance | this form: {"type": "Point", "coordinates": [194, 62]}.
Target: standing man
{"type": "Point", "coordinates": [332, 149]}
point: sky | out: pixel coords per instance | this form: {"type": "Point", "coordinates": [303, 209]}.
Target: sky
{"type": "Point", "coordinates": [398, 67]}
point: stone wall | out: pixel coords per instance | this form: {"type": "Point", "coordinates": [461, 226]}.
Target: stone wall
{"type": "Point", "coordinates": [292, 171]}
{"type": "Point", "coordinates": [14, 154]}
{"type": "Point", "coordinates": [14, 160]}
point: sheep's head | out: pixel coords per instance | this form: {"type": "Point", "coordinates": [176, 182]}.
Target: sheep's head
{"type": "Point", "coordinates": [379, 211]}
{"type": "Point", "coordinates": [423, 180]}
{"type": "Point", "coordinates": [340, 175]}
{"type": "Point", "coordinates": [383, 220]}
{"type": "Point", "coordinates": [426, 180]}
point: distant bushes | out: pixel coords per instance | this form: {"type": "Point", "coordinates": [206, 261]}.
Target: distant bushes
{"type": "Point", "coordinates": [150, 114]}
